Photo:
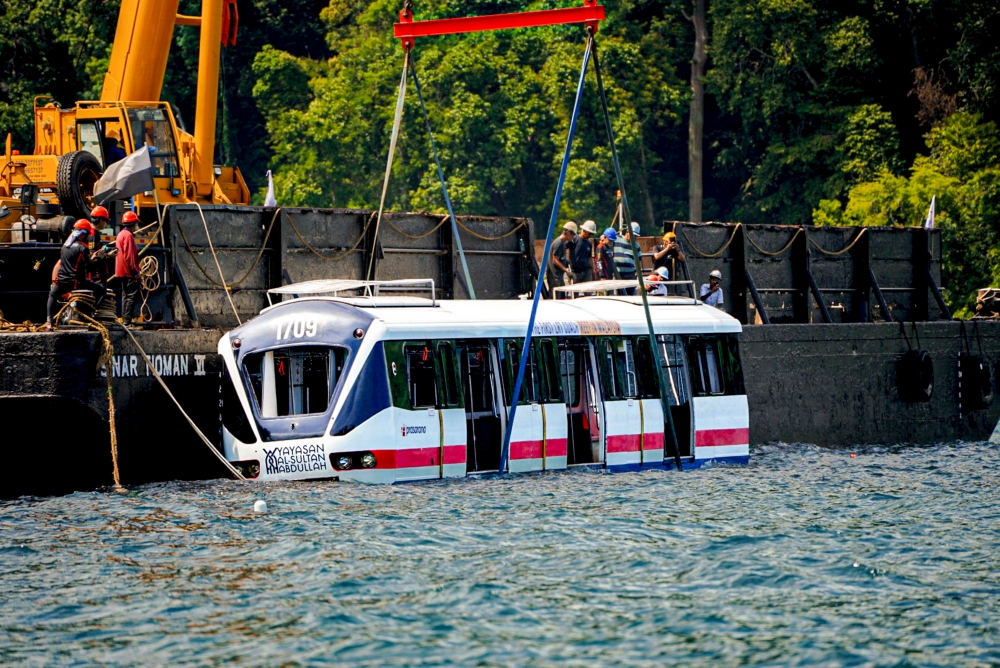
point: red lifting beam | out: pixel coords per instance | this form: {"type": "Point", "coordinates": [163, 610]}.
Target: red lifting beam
{"type": "Point", "coordinates": [407, 29]}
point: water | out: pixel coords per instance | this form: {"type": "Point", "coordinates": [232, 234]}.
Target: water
{"type": "Point", "coordinates": [806, 557]}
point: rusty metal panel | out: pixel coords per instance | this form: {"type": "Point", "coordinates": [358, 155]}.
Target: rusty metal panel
{"type": "Point", "coordinates": [324, 243]}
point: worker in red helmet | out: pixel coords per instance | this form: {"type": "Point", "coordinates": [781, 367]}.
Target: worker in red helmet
{"type": "Point", "coordinates": [74, 261]}
{"type": "Point", "coordinates": [100, 217]}
{"type": "Point", "coordinates": [127, 266]}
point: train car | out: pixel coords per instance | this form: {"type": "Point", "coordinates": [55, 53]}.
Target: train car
{"type": "Point", "coordinates": [386, 388]}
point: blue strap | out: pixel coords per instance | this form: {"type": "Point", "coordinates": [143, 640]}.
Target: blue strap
{"type": "Point", "coordinates": [545, 255]}
{"type": "Point", "coordinates": [444, 187]}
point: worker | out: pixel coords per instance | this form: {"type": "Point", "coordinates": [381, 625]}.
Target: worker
{"type": "Point", "coordinates": [127, 266]}
{"type": "Point", "coordinates": [604, 264]}
{"type": "Point", "coordinates": [582, 255]}
{"type": "Point", "coordinates": [656, 282]}
{"type": "Point", "coordinates": [561, 247]}
{"type": "Point", "coordinates": [711, 292]}
{"type": "Point", "coordinates": [75, 258]}
{"type": "Point", "coordinates": [624, 260]}
{"type": "Point", "coordinates": [668, 254]}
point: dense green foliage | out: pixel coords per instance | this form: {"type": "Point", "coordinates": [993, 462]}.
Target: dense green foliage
{"type": "Point", "coordinates": [833, 112]}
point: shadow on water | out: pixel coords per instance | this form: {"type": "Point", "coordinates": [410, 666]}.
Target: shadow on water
{"type": "Point", "coordinates": [806, 556]}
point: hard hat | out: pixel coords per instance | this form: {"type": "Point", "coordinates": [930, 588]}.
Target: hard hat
{"type": "Point", "coordinates": [662, 272]}
{"type": "Point", "coordinates": [85, 225]}
{"type": "Point", "coordinates": [635, 228]}
{"type": "Point", "coordinates": [590, 226]}
{"type": "Point", "coordinates": [610, 233]}
{"type": "Point", "coordinates": [570, 226]}
{"type": "Point", "coordinates": [100, 212]}
{"type": "Point", "coordinates": [716, 274]}
{"type": "Point", "coordinates": [669, 236]}
{"type": "Point", "coordinates": [130, 218]}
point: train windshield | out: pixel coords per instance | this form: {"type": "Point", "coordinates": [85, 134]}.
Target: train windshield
{"type": "Point", "coordinates": [296, 380]}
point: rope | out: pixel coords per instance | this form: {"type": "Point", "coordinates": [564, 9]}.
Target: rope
{"type": "Point", "coordinates": [444, 188]}
{"type": "Point", "coordinates": [521, 224]}
{"type": "Point", "coordinates": [317, 253]}
{"type": "Point", "coordinates": [222, 277]}
{"type": "Point", "coordinates": [149, 281]}
{"type": "Point", "coordinates": [211, 447]}
{"type": "Point", "coordinates": [525, 350]}
{"type": "Point", "coordinates": [396, 122]}
{"type": "Point", "coordinates": [420, 236]}
{"type": "Point", "coordinates": [843, 250]}
{"type": "Point", "coordinates": [716, 253]}
{"type": "Point", "coordinates": [625, 216]}
{"type": "Point", "coordinates": [766, 252]}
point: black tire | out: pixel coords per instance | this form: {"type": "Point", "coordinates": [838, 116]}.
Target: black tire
{"type": "Point", "coordinates": [915, 377]}
{"type": "Point", "coordinates": [75, 179]}
{"type": "Point", "coordinates": [976, 382]}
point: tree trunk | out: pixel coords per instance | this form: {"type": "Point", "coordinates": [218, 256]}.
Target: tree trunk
{"type": "Point", "coordinates": [696, 126]}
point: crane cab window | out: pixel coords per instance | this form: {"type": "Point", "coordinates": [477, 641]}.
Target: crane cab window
{"type": "Point", "coordinates": [90, 136]}
{"type": "Point", "coordinates": [151, 127]}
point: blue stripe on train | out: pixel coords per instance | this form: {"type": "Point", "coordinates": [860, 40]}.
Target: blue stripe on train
{"type": "Point", "coordinates": [686, 463]}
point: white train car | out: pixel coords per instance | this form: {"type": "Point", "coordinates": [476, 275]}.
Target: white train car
{"type": "Point", "coordinates": [387, 389]}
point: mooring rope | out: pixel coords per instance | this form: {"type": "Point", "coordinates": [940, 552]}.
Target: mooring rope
{"type": "Point", "coordinates": [716, 253]}
{"type": "Point", "coordinates": [201, 435]}
{"type": "Point", "coordinates": [841, 251]}
{"type": "Point", "coordinates": [340, 256]}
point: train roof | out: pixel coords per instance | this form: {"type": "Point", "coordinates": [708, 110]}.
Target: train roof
{"type": "Point", "coordinates": [406, 317]}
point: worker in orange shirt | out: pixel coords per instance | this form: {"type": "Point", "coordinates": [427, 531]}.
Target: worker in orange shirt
{"type": "Point", "coordinates": [127, 266]}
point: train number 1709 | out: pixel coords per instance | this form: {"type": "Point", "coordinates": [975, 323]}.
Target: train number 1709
{"type": "Point", "coordinates": [296, 328]}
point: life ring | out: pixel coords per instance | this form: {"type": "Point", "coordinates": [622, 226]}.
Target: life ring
{"type": "Point", "coordinates": [915, 376]}
{"type": "Point", "coordinates": [976, 382]}
{"type": "Point", "coordinates": [76, 176]}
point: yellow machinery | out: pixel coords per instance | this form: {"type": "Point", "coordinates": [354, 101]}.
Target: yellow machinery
{"type": "Point", "coordinates": [73, 146]}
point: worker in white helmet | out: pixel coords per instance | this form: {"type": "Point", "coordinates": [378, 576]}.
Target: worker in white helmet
{"type": "Point", "coordinates": [655, 282]}
{"type": "Point", "coordinates": [582, 255]}
{"type": "Point", "coordinates": [562, 248]}
{"type": "Point", "coordinates": [711, 292]}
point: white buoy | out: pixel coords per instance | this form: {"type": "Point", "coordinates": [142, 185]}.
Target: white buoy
{"type": "Point", "coordinates": [259, 506]}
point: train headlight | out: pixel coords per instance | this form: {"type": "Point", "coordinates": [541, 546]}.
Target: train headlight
{"type": "Point", "coordinates": [368, 461]}
{"type": "Point", "coordinates": [344, 462]}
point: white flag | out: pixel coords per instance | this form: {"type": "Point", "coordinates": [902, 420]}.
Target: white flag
{"type": "Point", "coordinates": [269, 198]}
{"type": "Point", "coordinates": [125, 178]}
{"type": "Point", "coordinates": [929, 223]}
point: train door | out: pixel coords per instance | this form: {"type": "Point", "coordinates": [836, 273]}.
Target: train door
{"type": "Point", "coordinates": [554, 427]}
{"type": "Point", "coordinates": [619, 388]}
{"type": "Point", "coordinates": [720, 417]}
{"type": "Point", "coordinates": [483, 427]}
{"type": "Point", "coordinates": [583, 408]}
{"type": "Point", "coordinates": [421, 451]}
{"type": "Point", "coordinates": [526, 439]}
{"type": "Point", "coordinates": [651, 419]}
{"type": "Point", "coordinates": [453, 438]}
{"type": "Point", "coordinates": [678, 394]}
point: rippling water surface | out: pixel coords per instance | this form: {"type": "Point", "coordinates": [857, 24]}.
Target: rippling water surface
{"type": "Point", "coordinates": [806, 557]}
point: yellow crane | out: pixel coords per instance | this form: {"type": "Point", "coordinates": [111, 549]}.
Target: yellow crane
{"type": "Point", "coordinates": [74, 145]}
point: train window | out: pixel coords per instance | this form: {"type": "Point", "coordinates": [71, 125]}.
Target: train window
{"type": "Point", "coordinates": [294, 381]}
{"type": "Point", "coordinates": [233, 415]}
{"type": "Point", "coordinates": [420, 375]}
{"type": "Point", "coordinates": [530, 383]}
{"type": "Point", "coordinates": [617, 363]}
{"type": "Point", "coordinates": [571, 373]}
{"type": "Point", "coordinates": [674, 367]}
{"type": "Point", "coordinates": [715, 365]}
{"type": "Point", "coordinates": [447, 370]}
{"type": "Point", "coordinates": [645, 369]}
{"type": "Point", "coordinates": [552, 380]}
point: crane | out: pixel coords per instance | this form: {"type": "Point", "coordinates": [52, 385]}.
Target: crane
{"type": "Point", "coordinates": [74, 145]}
